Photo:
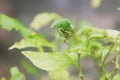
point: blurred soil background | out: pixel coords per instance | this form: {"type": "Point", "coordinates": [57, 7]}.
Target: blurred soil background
{"type": "Point", "coordinates": [106, 16]}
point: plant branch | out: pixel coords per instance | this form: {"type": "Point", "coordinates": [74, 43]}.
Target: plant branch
{"type": "Point", "coordinates": [116, 65]}
{"type": "Point", "coordinates": [79, 67]}
{"type": "Point", "coordinates": [103, 63]}
{"type": "Point", "coordinates": [108, 54]}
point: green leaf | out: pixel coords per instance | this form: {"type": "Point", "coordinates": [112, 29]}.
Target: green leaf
{"type": "Point", "coordinates": [59, 75]}
{"type": "Point", "coordinates": [16, 75]}
{"type": "Point", "coordinates": [42, 19]}
{"type": "Point", "coordinates": [96, 3]}
{"type": "Point", "coordinates": [62, 24]}
{"type": "Point", "coordinates": [30, 69]}
{"type": "Point", "coordinates": [48, 61]}
{"type": "Point", "coordinates": [9, 24]}
{"type": "Point", "coordinates": [31, 41]}
{"type": "Point", "coordinates": [116, 77]}
{"type": "Point", "coordinates": [14, 71]}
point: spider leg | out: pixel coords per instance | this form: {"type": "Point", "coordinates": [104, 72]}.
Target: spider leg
{"type": "Point", "coordinates": [60, 32]}
{"type": "Point", "coordinates": [65, 41]}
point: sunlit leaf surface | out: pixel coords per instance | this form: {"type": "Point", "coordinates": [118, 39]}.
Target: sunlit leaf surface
{"type": "Point", "coordinates": [31, 41]}
{"type": "Point", "coordinates": [48, 61]}
{"type": "Point", "coordinates": [59, 75]}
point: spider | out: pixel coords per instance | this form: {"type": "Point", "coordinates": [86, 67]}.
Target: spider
{"type": "Point", "coordinates": [63, 27]}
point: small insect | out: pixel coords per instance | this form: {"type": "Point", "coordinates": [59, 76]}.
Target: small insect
{"type": "Point", "coordinates": [63, 27]}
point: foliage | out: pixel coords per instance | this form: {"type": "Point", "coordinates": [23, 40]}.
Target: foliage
{"type": "Point", "coordinates": [42, 19]}
{"type": "Point", "coordinates": [15, 74]}
{"type": "Point", "coordinates": [30, 69]}
{"type": "Point", "coordinates": [31, 41]}
{"type": "Point", "coordinates": [87, 40]}
{"type": "Point", "coordinates": [9, 24]}
{"type": "Point", "coordinates": [48, 61]}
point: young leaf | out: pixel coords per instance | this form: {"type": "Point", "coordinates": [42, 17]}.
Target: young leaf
{"type": "Point", "coordinates": [48, 61]}
{"type": "Point", "coordinates": [16, 75]}
{"type": "Point", "coordinates": [59, 75]}
{"type": "Point", "coordinates": [31, 41]}
{"type": "Point", "coordinates": [42, 19]}
{"type": "Point", "coordinates": [9, 24]}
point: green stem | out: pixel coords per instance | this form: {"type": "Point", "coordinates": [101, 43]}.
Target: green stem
{"type": "Point", "coordinates": [79, 68]}
{"type": "Point", "coordinates": [108, 53]}
{"type": "Point", "coordinates": [113, 73]}
{"type": "Point", "coordinates": [103, 63]}
{"type": "Point", "coordinates": [74, 63]}
{"type": "Point", "coordinates": [116, 65]}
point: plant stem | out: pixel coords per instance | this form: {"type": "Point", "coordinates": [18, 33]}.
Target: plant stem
{"type": "Point", "coordinates": [103, 63]}
{"type": "Point", "coordinates": [108, 54]}
{"type": "Point", "coordinates": [116, 65]}
{"type": "Point", "coordinates": [79, 68]}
